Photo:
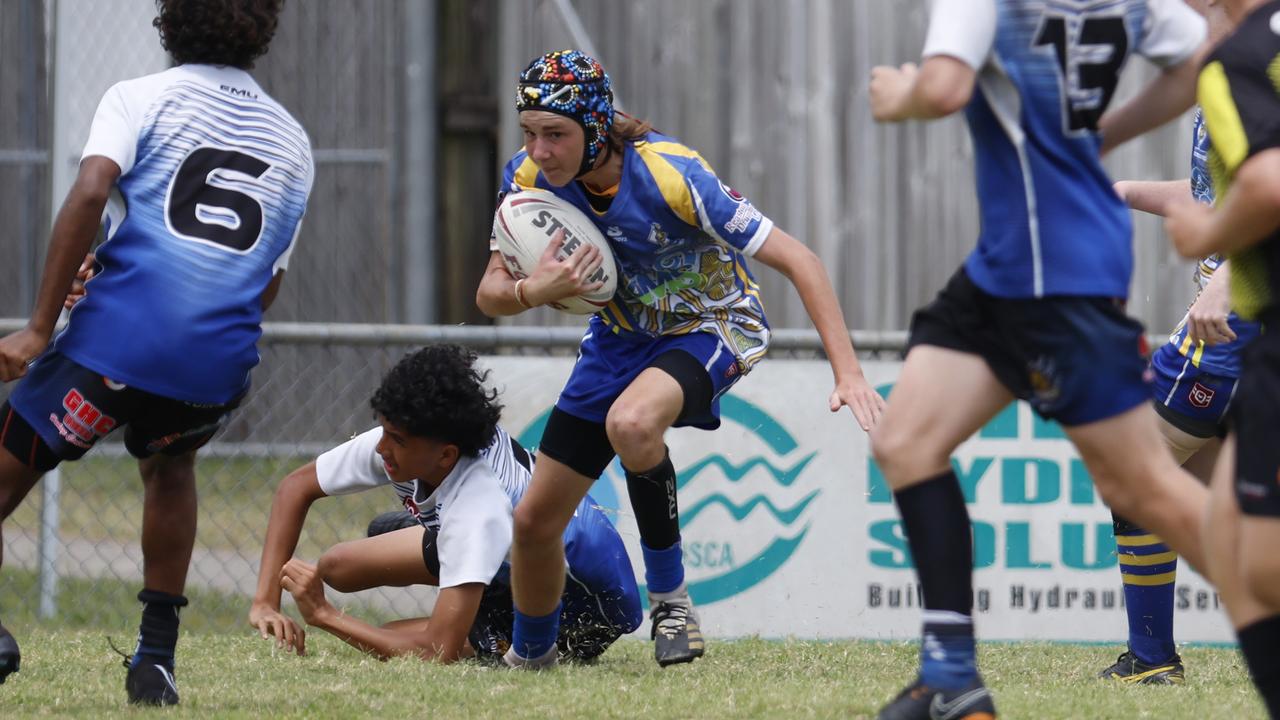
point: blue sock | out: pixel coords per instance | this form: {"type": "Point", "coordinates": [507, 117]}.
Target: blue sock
{"type": "Point", "coordinates": [1148, 568]}
{"type": "Point", "coordinates": [663, 569]}
{"type": "Point", "coordinates": [948, 658]}
{"type": "Point", "coordinates": [158, 632]}
{"type": "Point", "coordinates": [534, 635]}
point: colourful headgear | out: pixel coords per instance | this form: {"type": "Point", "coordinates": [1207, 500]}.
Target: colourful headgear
{"type": "Point", "coordinates": [573, 84]}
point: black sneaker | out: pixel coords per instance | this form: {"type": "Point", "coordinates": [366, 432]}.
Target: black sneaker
{"type": "Point", "coordinates": [390, 522]}
{"type": "Point", "coordinates": [921, 702]}
{"type": "Point", "coordinates": [150, 683]}
{"type": "Point", "coordinates": [10, 656]}
{"type": "Point", "coordinates": [675, 631]}
{"type": "Point", "coordinates": [1129, 669]}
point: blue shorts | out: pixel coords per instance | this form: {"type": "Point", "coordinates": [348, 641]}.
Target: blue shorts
{"type": "Point", "coordinates": [608, 362]}
{"type": "Point", "coordinates": [1077, 360]}
{"type": "Point", "coordinates": [70, 407]}
{"type": "Point", "coordinates": [1188, 398]}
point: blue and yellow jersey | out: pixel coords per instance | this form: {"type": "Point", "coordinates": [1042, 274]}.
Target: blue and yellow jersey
{"type": "Point", "coordinates": [1239, 90]}
{"type": "Point", "coordinates": [680, 238]}
{"type": "Point", "coordinates": [1223, 359]}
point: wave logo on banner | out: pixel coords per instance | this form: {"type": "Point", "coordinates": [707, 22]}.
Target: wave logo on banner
{"type": "Point", "coordinates": [741, 517]}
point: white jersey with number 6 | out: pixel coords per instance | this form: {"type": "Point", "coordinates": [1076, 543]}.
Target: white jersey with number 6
{"type": "Point", "coordinates": [215, 177]}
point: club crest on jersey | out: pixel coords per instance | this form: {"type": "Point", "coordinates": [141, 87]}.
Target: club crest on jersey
{"type": "Point", "coordinates": [83, 423]}
{"type": "Point", "coordinates": [732, 194]}
{"type": "Point", "coordinates": [1200, 396]}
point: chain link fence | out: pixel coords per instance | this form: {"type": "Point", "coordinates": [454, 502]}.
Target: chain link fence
{"type": "Point", "coordinates": [73, 556]}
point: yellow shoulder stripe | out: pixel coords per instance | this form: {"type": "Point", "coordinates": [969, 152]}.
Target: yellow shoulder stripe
{"type": "Point", "coordinates": [1221, 116]}
{"type": "Point", "coordinates": [669, 179]}
{"type": "Point", "coordinates": [527, 174]}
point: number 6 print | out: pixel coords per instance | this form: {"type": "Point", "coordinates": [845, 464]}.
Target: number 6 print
{"type": "Point", "coordinates": [200, 207]}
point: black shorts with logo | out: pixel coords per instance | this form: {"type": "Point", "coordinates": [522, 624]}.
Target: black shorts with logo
{"type": "Point", "coordinates": [1255, 420]}
{"type": "Point", "coordinates": [61, 409]}
{"type": "Point", "coordinates": [1077, 360]}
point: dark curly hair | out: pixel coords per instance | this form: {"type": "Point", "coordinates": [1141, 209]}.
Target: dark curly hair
{"type": "Point", "coordinates": [438, 393]}
{"type": "Point", "coordinates": [217, 32]}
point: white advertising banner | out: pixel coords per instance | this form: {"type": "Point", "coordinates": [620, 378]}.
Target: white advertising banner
{"type": "Point", "coordinates": [789, 529]}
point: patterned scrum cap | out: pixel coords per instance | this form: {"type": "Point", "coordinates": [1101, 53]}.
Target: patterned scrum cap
{"type": "Point", "coordinates": [573, 84]}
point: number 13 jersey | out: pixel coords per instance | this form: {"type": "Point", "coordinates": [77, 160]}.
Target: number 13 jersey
{"type": "Point", "coordinates": [1047, 70]}
{"type": "Point", "coordinates": [215, 176]}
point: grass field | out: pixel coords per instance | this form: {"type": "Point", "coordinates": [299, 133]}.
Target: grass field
{"type": "Point", "coordinates": [72, 673]}
{"type": "Point", "coordinates": [235, 500]}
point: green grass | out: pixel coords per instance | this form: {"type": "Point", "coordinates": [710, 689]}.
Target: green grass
{"type": "Point", "coordinates": [235, 501]}
{"type": "Point", "coordinates": [71, 673]}
{"type": "Point", "coordinates": [112, 607]}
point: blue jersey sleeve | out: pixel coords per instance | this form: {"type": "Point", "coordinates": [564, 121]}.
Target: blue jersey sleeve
{"type": "Point", "coordinates": [724, 213]}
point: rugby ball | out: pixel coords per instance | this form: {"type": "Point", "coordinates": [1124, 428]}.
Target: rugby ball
{"type": "Point", "coordinates": [523, 226]}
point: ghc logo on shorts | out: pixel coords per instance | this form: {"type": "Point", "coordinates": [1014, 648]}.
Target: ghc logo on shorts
{"type": "Point", "coordinates": [83, 422]}
{"type": "Point", "coordinates": [743, 516]}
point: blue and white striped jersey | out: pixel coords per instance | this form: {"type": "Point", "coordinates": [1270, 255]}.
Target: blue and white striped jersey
{"type": "Point", "coordinates": [1047, 70]}
{"type": "Point", "coordinates": [215, 177]}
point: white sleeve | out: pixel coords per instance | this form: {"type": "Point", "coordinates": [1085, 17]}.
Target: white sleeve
{"type": "Point", "coordinates": [475, 531]}
{"type": "Point", "coordinates": [282, 262]}
{"type": "Point", "coordinates": [1172, 33]}
{"type": "Point", "coordinates": [352, 466]}
{"type": "Point", "coordinates": [115, 128]}
{"type": "Point", "coordinates": [962, 29]}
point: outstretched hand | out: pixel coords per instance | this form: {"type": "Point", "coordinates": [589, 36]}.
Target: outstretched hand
{"type": "Point", "coordinates": [270, 622]}
{"type": "Point", "coordinates": [861, 398]}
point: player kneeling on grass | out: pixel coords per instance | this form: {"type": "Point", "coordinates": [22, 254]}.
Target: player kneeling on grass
{"type": "Point", "coordinates": [441, 450]}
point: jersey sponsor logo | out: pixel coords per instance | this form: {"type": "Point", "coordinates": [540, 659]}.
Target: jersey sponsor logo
{"type": "Point", "coordinates": [238, 92]}
{"type": "Point", "coordinates": [1200, 396]}
{"type": "Point", "coordinates": [742, 518]}
{"type": "Point", "coordinates": [83, 423]}
{"type": "Point", "coordinates": [742, 218]}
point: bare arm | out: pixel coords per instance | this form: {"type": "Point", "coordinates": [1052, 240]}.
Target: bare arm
{"type": "Point", "coordinates": [941, 86]}
{"type": "Point", "coordinates": [73, 232]}
{"type": "Point", "coordinates": [1172, 93]}
{"type": "Point", "coordinates": [1245, 216]}
{"type": "Point", "coordinates": [289, 509]}
{"type": "Point", "coordinates": [806, 272]}
{"type": "Point", "coordinates": [442, 640]}
{"type": "Point", "coordinates": [1153, 196]}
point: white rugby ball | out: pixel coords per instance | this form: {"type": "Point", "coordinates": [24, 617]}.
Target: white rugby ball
{"type": "Point", "coordinates": [524, 224]}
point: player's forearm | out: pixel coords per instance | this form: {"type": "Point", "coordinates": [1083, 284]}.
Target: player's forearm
{"type": "Point", "coordinates": [73, 233]}
{"type": "Point", "coordinates": [1153, 196]}
{"type": "Point", "coordinates": [1172, 93]}
{"type": "Point", "coordinates": [496, 296]}
{"type": "Point", "coordinates": [819, 298]}
{"type": "Point", "coordinates": [1250, 211]}
{"type": "Point", "coordinates": [288, 513]}
{"type": "Point", "coordinates": [381, 642]}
